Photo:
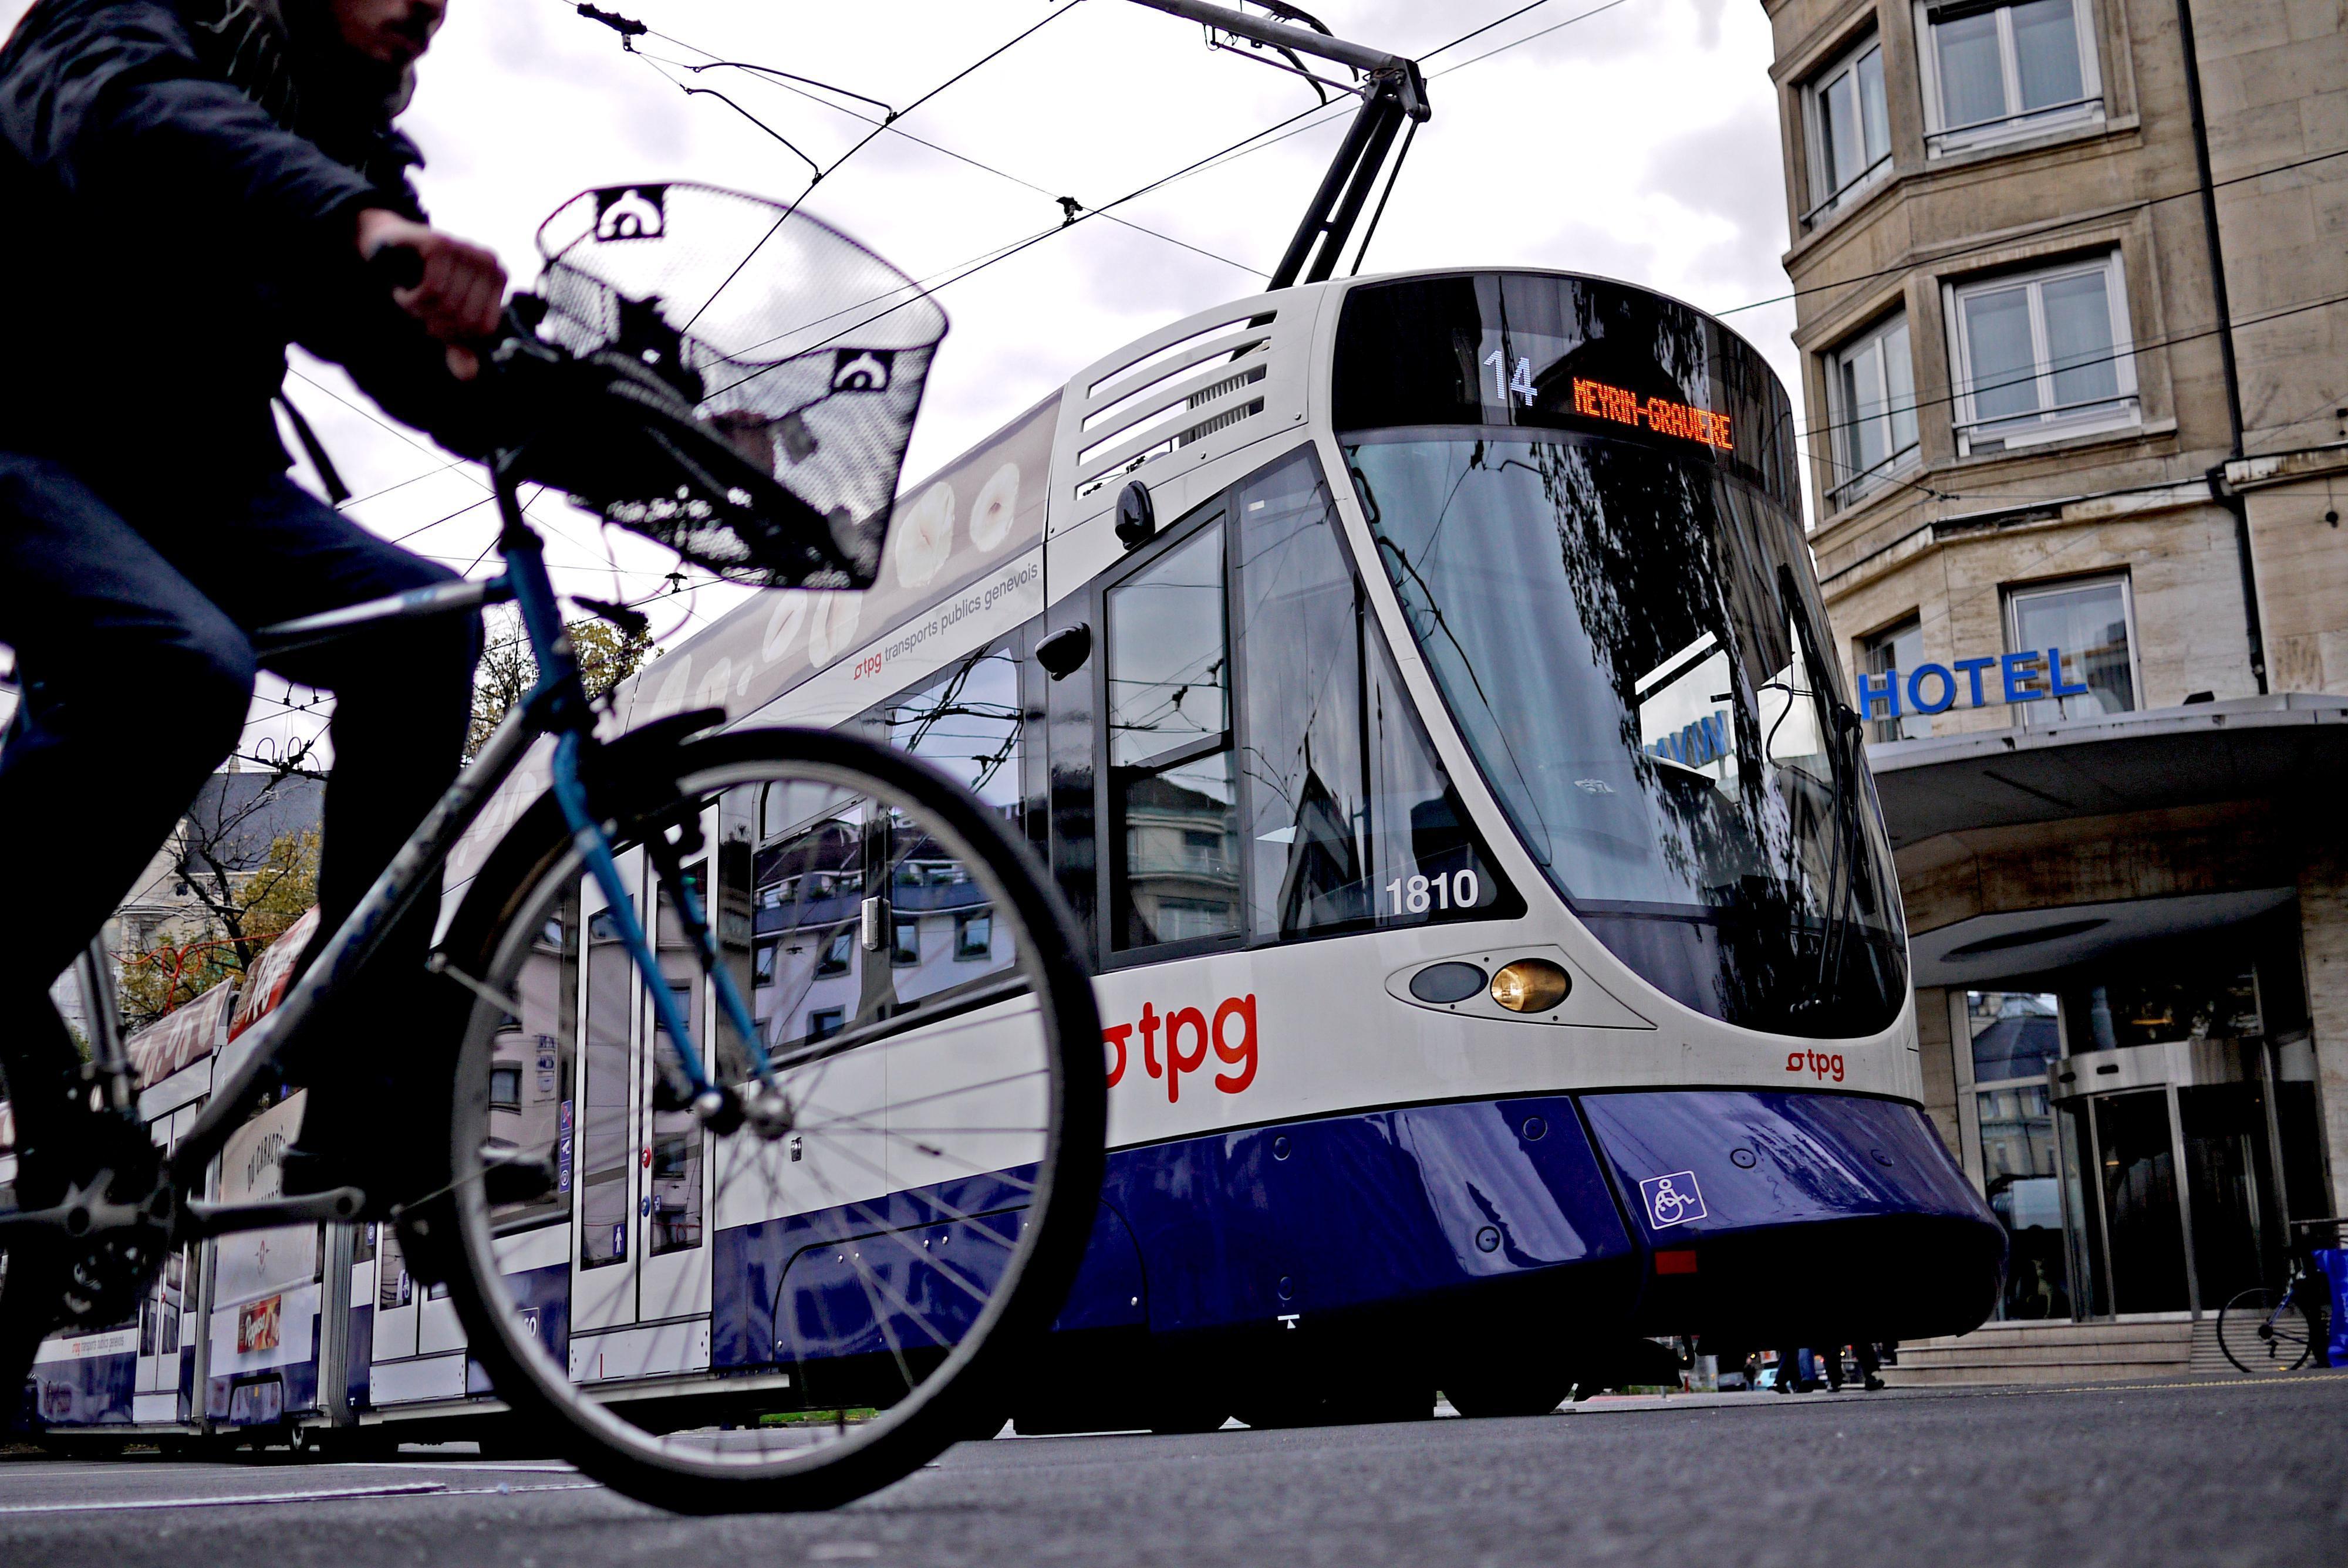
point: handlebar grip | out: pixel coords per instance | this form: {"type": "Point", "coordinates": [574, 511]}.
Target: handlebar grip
{"type": "Point", "coordinates": [397, 266]}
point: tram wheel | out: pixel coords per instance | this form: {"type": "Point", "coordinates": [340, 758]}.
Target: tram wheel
{"type": "Point", "coordinates": [1519, 1391]}
{"type": "Point", "coordinates": [1189, 1418]}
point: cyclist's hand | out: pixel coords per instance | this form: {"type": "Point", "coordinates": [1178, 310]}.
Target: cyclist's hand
{"type": "Point", "coordinates": [461, 295]}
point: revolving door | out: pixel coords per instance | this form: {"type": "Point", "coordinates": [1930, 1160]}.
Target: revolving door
{"type": "Point", "coordinates": [2172, 1187]}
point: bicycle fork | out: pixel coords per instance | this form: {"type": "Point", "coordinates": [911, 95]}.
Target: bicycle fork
{"type": "Point", "coordinates": [571, 715]}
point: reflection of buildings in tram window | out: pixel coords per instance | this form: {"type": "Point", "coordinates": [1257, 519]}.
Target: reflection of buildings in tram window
{"type": "Point", "coordinates": [1180, 874]}
{"type": "Point", "coordinates": [2125, 878]}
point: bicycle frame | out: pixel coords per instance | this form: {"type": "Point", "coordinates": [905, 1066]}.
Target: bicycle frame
{"type": "Point", "coordinates": [557, 705]}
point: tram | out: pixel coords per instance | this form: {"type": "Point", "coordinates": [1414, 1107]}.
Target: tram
{"type": "Point", "coordinates": [1417, 686]}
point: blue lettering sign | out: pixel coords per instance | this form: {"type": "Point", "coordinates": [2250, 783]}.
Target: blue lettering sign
{"type": "Point", "coordinates": [2020, 671]}
{"type": "Point", "coordinates": [1916, 689]}
{"type": "Point", "coordinates": [2026, 676]}
{"type": "Point", "coordinates": [2054, 670]}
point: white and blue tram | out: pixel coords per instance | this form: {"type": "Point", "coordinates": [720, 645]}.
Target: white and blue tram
{"type": "Point", "coordinates": [1417, 686]}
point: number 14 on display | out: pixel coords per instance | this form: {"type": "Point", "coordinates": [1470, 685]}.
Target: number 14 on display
{"type": "Point", "coordinates": [1503, 383]}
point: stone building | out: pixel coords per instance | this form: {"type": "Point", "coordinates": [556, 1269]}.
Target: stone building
{"type": "Point", "coordinates": [2072, 312]}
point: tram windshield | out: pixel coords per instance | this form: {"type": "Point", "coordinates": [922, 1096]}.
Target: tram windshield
{"type": "Point", "coordinates": [1620, 618]}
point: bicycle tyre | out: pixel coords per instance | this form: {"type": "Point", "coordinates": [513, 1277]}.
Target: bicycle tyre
{"type": "Point", "coordinates": [964, 1392]}
{"type": "Point", "coordinates": [2259, 1340]}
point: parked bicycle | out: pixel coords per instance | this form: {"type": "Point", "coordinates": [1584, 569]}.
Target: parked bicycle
{"type": "Point", "coordinates": [718, 374]}
{"type": "Point", "coordinates": [2262, 1330]}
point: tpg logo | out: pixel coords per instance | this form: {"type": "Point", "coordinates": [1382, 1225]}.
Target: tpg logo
{"type": "Point", "coordinates": [1231, 1034]}
{"type": "Point", "coordinates": [1817, 1063]}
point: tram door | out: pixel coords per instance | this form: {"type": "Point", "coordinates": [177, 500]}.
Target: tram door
{"type": "Point", "coordinates": [640, 1278]}
{"type": "Point", "coordinates": [168, 1318]}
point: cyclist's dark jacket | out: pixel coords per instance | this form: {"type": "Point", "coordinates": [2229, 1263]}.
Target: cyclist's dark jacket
{"type": "Point", "coordinates": [168, 236]}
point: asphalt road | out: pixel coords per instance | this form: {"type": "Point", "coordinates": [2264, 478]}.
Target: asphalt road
{"type": "Point", "coordinates": [2200, 1473]}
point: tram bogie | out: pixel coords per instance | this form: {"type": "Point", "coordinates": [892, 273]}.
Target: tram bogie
{"type": "Point", "coordinates": [1499, 950]}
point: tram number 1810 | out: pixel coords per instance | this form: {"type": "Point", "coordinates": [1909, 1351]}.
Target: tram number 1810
{"type": "Point", "coordinates": [1413, 895]}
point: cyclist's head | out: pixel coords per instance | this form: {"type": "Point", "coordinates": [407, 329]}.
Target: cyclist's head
{"type": "Point", "coordinates": [393, 33]}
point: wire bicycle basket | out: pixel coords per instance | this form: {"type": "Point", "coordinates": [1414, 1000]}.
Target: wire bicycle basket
{"type": "Point", "coordinates": [774, 366]}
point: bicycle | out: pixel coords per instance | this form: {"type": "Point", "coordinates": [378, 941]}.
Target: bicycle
{"type": "Point", "coordinates": [926, 1174]}
{"type": "Point", "coordinates": [2261, 1330]}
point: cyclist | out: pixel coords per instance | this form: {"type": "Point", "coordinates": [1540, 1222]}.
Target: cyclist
{"type": "Point", "coordinates": [192, 185]}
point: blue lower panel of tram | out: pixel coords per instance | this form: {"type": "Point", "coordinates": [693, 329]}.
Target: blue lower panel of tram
{"type": "Point", "coordinates": [1730, 1212]}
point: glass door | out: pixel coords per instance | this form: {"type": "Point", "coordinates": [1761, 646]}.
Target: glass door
{"type": "Point", "coordinates": [2014, 1036]}
{"type": "Point", "coordinates": [2135, 1189]}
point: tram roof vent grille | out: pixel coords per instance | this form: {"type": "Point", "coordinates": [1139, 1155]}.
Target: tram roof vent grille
{"type": "Point", "coordinates": [1174, 395]}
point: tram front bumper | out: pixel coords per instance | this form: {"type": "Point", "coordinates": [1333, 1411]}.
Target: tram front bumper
{"type": "Point", "coordinates": [1770, 1215]}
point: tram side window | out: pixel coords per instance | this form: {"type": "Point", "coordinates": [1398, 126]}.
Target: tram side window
{"type": "Point", "coordinates": [968, 720]}
{"type": "Point", "coordinates": [531, 1104]}
{"type": "Point", "coordinates": [674, 1218]}
{"type": "Point", "coordinates": [807, 887]}
{"type": "Point", "coordinates": [1352, 820]}
{"type": "Point", "coordinates": [1171, 785]}
{"type": "Point", "coordinates": [604, 1144]}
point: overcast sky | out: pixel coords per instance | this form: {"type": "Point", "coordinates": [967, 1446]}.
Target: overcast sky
{"type": "Point", "coordinates": [1640, 142]}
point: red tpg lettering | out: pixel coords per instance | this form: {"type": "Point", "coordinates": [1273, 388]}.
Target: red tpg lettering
{"type": "Point", "coordinates": [1177, 1062]}
{"type": "Point", "coordinates": [1243, 1053]}
{"type": "Point", "coordinates": [1232, 1034]}
{"type": "Point", "coordinates": [1148, 1040]}
{"type": "Point", "coordinates": [1817, 1063]}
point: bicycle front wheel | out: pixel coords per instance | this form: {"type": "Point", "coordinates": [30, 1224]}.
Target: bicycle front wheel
{"type": "Point", "coordinates": [790, 1307]}
{"type": "Point", "coordinates": [2260, 1333]}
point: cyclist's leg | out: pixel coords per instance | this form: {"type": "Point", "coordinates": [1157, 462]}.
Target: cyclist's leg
{"type": "Point", "coordinates": [135, 686]}
{"type": "Point", "coordinates": [402, 701]}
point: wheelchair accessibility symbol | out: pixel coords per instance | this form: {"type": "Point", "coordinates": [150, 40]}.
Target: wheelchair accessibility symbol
{"type": "Point", "coordinates": [1673, 1200]}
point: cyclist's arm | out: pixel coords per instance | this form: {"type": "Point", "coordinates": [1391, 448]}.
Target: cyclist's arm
{"type": "Point", "coordinates": [109, 100]}
{"type": "Point", "coordinates": [407, 373]}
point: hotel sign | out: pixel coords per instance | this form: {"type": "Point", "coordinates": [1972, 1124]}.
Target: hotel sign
{"type": "Point", "coordinates": [2027, 676]}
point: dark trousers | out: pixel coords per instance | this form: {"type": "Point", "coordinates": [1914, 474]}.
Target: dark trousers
{"type": "Point", "coordinates": [129, 611]}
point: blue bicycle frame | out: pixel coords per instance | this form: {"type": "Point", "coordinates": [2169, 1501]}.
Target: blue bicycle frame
{"type": "Point", "coordinates": [557, 705]}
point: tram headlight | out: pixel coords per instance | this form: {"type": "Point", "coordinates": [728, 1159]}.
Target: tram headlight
{"type": "Point", "coordinates": [1530, 985]}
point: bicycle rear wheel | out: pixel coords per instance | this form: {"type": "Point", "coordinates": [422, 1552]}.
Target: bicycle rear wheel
{"type": "Point", "coordinates": [787, 1311]}
{"type": "Point", "coordinates": [2259, 1335]}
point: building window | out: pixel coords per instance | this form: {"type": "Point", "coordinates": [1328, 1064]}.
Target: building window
{"type": "Point", "coordinates": [825, 1022]}
{"type": "Point", "coordinates": [2043, 355]}
{"type": "Point", "coordinates": [1849, 130]}
{"type": "Point", "coordinates": [1871, 395]}
{"type": "Point", "coordinates": [1886, 654]}
{"type": "Point", "coordinates": [2084, 626]}
{"type": "Point", "coordinates": [906, 945]}
{"type": "Point", "coordinates": [1995, 71]}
